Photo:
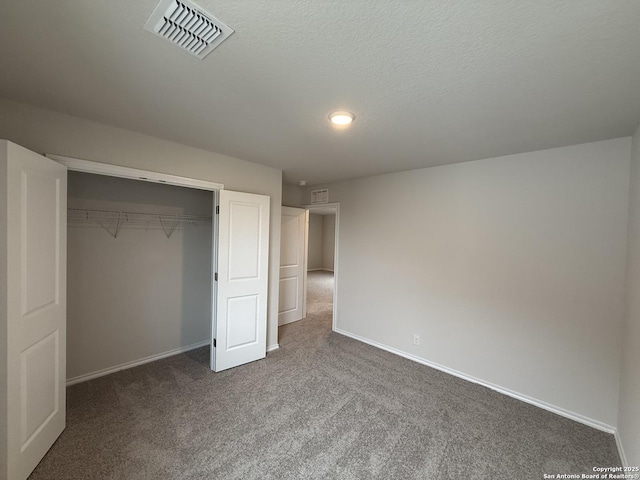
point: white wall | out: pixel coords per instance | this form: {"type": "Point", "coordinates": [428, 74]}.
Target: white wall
{"type": "Point", "coordinates": [46, 131]}
{"type": "Point", "coordinates": [629, 414]}
{"type": "Point", "coordinates": [139, 294]}
{"type": "Point", "coordinates": [314, 260]}
{"type": "Point", "coordinates": [510, 269]}
{"type": "Point", "coordinates": [328, 241]}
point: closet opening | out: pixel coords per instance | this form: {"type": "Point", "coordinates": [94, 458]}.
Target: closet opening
{"type": "Point", "coordinates": [140, 259]}
{"type": "Point", "coordinates": [124, 307]}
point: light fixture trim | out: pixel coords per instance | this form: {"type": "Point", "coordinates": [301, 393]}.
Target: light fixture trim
{"type": "Point", "coordinates": [341, 118]}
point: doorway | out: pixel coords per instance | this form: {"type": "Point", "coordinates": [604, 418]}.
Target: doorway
{"type": "Point", "coordinates": [309, 256]}
{"type": "Point", "coordinates": [321, 262]}
{"type": "Point", "coordinates": [239, 258]}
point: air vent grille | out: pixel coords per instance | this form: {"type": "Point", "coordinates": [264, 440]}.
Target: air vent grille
{"type": "Point", "coordinates": [187, 26]}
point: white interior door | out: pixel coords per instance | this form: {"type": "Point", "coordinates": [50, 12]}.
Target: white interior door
{"type": "Point", "coordinates": [33, 335]}
{"type": "Point", "coordinates": [240, 330]}
{"type": "Point", "coordinates": [292, 265]}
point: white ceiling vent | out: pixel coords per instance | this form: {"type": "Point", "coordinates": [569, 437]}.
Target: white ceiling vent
{"type": "Point", "coordinates": [187, 26]}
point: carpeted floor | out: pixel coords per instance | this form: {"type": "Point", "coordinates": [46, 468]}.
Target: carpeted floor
{"type": "Point", "coordinates": [319, 296]}
{"type": "Point", "coordinates": [323, 406]}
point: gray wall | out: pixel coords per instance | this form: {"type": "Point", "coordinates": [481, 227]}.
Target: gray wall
{"type": "Point", "coordinates": [316, 224]}
{"type": "Point", "coordinates": [46, 131]}
{"type": "Point", "coordinates": [510, 269]}
{"type": "Point", "coordinates": [139, 294]}
{"type": "Point", "coordinates": [291, 195]}
{"type": "Point", "coordinates": [328, 241]}
{"type": "Point", "coordinates": [629, 416]}
{"type": "Point", "coordinates": [321, 241]}
{"type": "Point", "coordinates": [3, 308]}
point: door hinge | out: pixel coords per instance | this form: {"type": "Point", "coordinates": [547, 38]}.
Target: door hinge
{"type": "Point", "coordinates": [214, 343]}
{"type": "Point", "coordinates": [217, 209]}
{"type": "Point", "coordinates": [216, 276]}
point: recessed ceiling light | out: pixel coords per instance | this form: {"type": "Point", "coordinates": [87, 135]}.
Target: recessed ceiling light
{"type": "Point", "coordinates": [341, 117]}
{"type": "Point", "coordinates": [302, 183]}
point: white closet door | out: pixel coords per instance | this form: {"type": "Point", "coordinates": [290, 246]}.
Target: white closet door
{"type": "Point", "coordinates": [292, 265]}
{"type": "Point", "coordinates": [34, 333]}
{"type": "Point", "coordinates": [240, 329]}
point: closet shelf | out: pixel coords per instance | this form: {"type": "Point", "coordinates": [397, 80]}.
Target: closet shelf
{"type": "Point", "coordinates": [114, 221]}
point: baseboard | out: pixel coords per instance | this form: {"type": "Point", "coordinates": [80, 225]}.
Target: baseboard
{"type": "Point", "coordinates": [623, 457]}
{"type": "Point", "coordinates": [271, 348]}
{"type": "Point", "coordinates": [505, 391]}
{"type": "Point", "coordinates": [314, 269]}
{"type": "Point", "coordinates": [135, 363]}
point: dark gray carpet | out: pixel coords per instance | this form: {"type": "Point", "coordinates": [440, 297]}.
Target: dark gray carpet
{"type": "Point", "coordinates": [323, 406]}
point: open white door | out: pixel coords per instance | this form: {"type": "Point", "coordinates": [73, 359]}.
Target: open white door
{"type": "Point", "coordinates": [240, 327]}
{"type": "Point", "coordinates": [292, 265]}
{"type": "Point", "coordinates": [33, 323]}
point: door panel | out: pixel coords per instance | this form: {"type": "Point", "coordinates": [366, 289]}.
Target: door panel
{"type": "Point", "coordinates": [40, 385]}
{"type": "Point", "coordinates": [240, 329]}
{"type": "Point", "coordinates": [39, 217]}
{"type": "Point", "coordinates": [35, 346]}
{"type": "Point", "coordinates": [289, 288]}
{"type": "Point", "coordinates": [292, 265]}
{"type": "Point", "coordinates": [242, 325]}
{"type": "Point", "coordinates": [244, 241]}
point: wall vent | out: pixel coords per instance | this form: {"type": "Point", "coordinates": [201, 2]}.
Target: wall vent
{"type": "Point", "coordinates": [187, 26]}
{"type": "Point", "coordinates": [319, 196]}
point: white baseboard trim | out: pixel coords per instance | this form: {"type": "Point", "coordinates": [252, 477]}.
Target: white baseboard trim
{"type": "Point", "coordinates": [314, 269]}
{"type": "Point", "coordinates": [135, 363]}
{"type": "Point", "coordinates": [271, 348]}
{"type": "Point", "coordinates": [623, 457]}
{"type": "Point", "coordinates": [525, 398]}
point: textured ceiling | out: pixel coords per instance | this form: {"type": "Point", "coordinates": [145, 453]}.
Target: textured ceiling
{"type": "Point", "coordinates": [431, 82]}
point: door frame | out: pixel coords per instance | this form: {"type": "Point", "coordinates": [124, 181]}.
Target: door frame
{"type": "Point", "coordinates": [98, 168]}
{"type": "Point", "coordinates": [336, 207]}
{"type": "Point", "coordinates": [87, 166]}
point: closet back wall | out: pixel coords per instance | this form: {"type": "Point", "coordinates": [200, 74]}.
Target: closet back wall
{"type": "Point", "coordinates": [140, 294]}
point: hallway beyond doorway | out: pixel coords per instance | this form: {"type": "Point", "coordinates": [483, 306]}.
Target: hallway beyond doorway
{"type": "Point", "coordinates": [320, 286]}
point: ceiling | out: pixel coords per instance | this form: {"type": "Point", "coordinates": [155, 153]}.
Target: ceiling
{"type": "Point", "coordinates": [431, 82]}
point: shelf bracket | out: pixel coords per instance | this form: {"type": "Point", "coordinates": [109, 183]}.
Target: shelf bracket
{"type": "Point", "coordinates": [113, 227]}
{"type": "Point", "coordinates": [168, 226]}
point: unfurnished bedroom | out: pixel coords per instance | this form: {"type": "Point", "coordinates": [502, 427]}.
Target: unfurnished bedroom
{"type": "Point", "coordinates": [303, 240]}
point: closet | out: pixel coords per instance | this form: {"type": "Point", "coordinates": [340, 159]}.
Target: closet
{"type": "Point", "coordinates": [138, 258]}
{"type": "Point", "coordinates": [139, 272]}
